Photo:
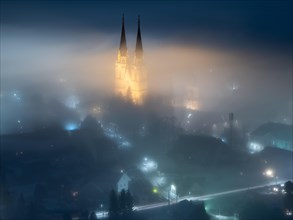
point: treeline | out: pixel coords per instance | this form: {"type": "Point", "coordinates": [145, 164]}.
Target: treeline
{"type": "Point", "coordinates": [120, 205]}
{"type": "Point", "coordinates": [260, 209]}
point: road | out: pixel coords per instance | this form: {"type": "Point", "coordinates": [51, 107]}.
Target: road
{"type": "Point", "coordinates": [103, 214]}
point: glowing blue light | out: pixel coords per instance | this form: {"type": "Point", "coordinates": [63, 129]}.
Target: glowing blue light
{"type": "Point", "coordinates": [255, 147]}
{"type": "Point", "coordinates": [71, 126]}
{"type": "Point", "coordinates": [148, 165]}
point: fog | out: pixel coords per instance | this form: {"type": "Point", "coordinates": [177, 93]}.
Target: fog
{"type": "Point", "coordinates": [58, 64]}
{"type": "Point", "coordinates": [196, 125]}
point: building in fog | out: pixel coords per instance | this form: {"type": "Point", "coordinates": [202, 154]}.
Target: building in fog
{"type": "Point", "coordinates": [272, 135]}
{"type": "Point", "coordinates": [130, 73]}
{"type": "Point", "coordinates": [123, 183]}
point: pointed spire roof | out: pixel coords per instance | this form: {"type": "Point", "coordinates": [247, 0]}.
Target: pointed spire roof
{"type": "Point", "coordinates": [138, 47]}
{"type": "Point", "coordinates": [123, 46]}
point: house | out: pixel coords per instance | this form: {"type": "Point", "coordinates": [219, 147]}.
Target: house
{"type": "Point", "coordinates": [123, 183]}
{"type": "Point", "coordinates": [274, 135]}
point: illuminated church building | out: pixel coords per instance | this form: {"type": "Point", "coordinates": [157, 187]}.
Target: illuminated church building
{"type": "Point", "coordinates": [130, 74]}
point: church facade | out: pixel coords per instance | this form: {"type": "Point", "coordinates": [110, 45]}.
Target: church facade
{"type": "Point", "coordinates": [130, 72]}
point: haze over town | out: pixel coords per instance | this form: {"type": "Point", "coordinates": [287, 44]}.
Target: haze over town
{"type": "Point", "coordinates": [183, 101]}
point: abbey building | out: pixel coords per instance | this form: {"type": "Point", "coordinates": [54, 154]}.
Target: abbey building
{"type": "Point", "coordinates": [130, 73]}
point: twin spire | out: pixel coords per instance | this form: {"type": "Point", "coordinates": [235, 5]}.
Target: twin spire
{"type": "Point", "coordinates": [138, 46]}
{"type": "Point", "coordinates": [123, 46]}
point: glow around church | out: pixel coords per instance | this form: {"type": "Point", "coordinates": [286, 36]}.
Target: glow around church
{"type": "Point", "coordinates": [130, 73]}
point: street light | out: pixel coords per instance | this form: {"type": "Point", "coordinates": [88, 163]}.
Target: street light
{"type": "Point", "coordinates": [173, 188]}
{"type": "Point", "coordinates": [173, 191]}
{"type": "Point", "coordinates": [269, 173]}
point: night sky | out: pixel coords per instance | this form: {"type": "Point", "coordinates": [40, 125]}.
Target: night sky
{"type": "Point", "coordinates": [216, 44]}
{"type": "Point", "coordinates": [236, 24]}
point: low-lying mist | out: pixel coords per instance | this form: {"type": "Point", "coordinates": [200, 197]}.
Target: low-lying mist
{"type": "Point", "coordinates": [62, 71]}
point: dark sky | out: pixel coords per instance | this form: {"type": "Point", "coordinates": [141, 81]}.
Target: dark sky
{"type": "Point", "coordinates": [227, 23]}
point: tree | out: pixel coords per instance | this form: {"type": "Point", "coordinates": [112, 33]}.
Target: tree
{"type": "Point", "coordinates": [91, 126]}
{"type": "Point", "coordinates": [122, 202]}
{"type": "Point", "coordinates": [113, 206]}
{"type": "Point", "coordinates": [93, 216]}
{"type": "Point", "coordinates": [288, 198]}
{"type": "Point", "coordinates": [129, 202]}
{"type": "Point", "coordinates": [121, 206]}
{"type": "Point", "coordinates": [288, 187]}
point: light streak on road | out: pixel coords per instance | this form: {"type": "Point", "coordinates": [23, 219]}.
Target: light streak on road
{"type": "Point", "coordinates": [104, 214]}
{"type": "Point", "coordinates": [211, 196]}
{"type": "Point", "coordinates": [222, 217]}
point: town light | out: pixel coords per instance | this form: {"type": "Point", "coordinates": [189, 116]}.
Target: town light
{"type": "Point", "coordinates": [255, 147]}
{"type": "Point", "coordinates": [75, 194]}
{"type": "Point", "coordinates": [71, 126]}
{"type": "Point", "coordinates": [275, 189]}
{"type": "Point", "coordinates": [288, 212]}
{"type": "Point", "coordinates": [173, 188]}
{"type": "Point", "coordinates": [269, 173]}
{"type": "Point", "coordinates": [148, 165]}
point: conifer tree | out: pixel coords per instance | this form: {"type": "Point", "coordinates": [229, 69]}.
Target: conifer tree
{"type": "Point", "coordinates": [122, 202]}
{"type": "Point", "coordinates": [93, 216]}
{"type": "Point", "coordinates": [129, 202]}
{"type": "Point", "coordinates": [113, 205]}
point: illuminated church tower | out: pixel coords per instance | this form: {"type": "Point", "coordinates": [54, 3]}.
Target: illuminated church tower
{"type": "Point", "coordinates": [130, 77]}
{"type": "Point", "coordinates": [122, 65]}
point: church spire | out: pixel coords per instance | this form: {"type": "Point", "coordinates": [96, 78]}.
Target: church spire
{"type": "Point", "coordinates": [123, 46]}
{"type": "Point", "coordinates": [138, 47]}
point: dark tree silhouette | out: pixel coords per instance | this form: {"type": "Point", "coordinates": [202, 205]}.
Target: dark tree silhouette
{"type": "Point", "coordinates": [91, 126]}
{"type": "Point", "coordinates": [288, 187]}
{"type": "Point", "coordinates": [122, 202]}
{"type": "Point", "coordinates": [288, 198]}
{"type": "Point", "coordinates": [121, 205]}
{"type": "Point", "coordinates": [129, 202]}
{"type": "Point", "coordinates": [93, 216]}
{"type": "Point", "coordinates": [113, 205]}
